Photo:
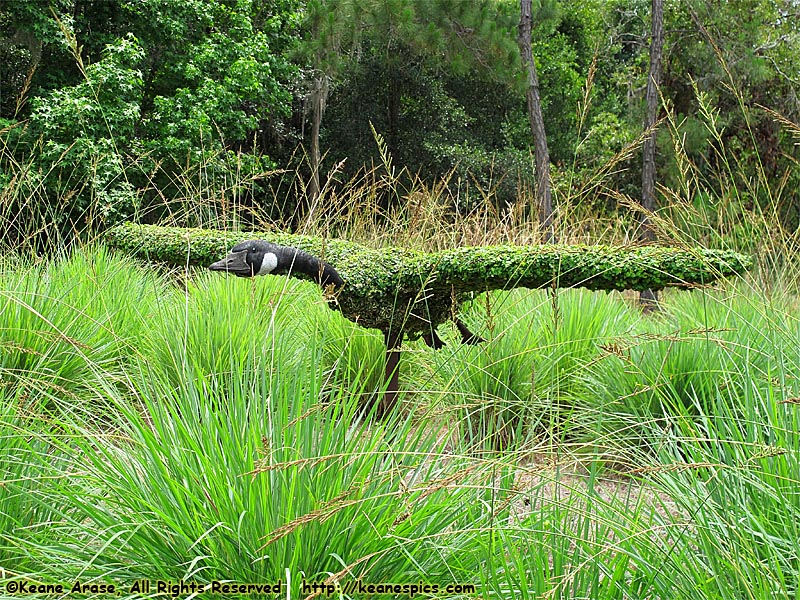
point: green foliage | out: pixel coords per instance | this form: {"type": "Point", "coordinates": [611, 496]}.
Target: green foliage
{"type": "Point", "coordinates": [83, 129]}
{"type": "Point", "coordinates": [226, 83]}
{"type": "Point", "coordinates": [159, 96]}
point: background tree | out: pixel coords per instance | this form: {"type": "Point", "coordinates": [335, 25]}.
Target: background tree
{"type": "Point", "coordinates": [449, 101]}
{"type": "Point", "coordinates": [734, 58]}
{"type": "Point", "coordinates": [542, 155]}
{"type": "Point", "coordinates": [400, 49]}
{"type": "Point", "coordinates": [325, 25]}
{"type": "Point", "coordinates": [649, 297]}
{"type": "Point", "coordinates": [132, 107]}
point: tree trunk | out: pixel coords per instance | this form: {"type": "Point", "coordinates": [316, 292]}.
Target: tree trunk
{"type": "Point", "coordinates": [388, 400]}
{"type": "Point", "coordinates": [393, 113]}
{"type": "Point", "coordinates": [649, 298]}
{"type": "Point", "coordinates": [319, 98]}
{"type": "Point", "coordinates": [541, 154]}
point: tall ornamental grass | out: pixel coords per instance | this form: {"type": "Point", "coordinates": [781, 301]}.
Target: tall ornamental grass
{"type": "Point", "coordinates": [202, 429]}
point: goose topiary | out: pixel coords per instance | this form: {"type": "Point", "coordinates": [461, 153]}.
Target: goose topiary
{"type": "Point", "coordinates": [408, 294]}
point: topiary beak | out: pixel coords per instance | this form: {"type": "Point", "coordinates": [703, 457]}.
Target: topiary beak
{"type": "Point", "coordinates": [234, 263]}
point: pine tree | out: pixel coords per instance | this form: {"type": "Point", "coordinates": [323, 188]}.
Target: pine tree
{"type": "Point", "coordinates": [458, 36]}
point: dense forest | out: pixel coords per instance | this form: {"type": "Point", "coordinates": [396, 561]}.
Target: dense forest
{"type": "Point", "coordinates": [118, 109]}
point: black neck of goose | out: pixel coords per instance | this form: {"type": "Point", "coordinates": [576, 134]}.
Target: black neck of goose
{"type": "Point", "coordinates": [293, 259]}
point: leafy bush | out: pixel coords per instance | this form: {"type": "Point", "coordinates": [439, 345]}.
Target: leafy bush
{"type": "Point", "coordinates": [150, 99]}
{"type": "Point", "coordinates": [86, 132]}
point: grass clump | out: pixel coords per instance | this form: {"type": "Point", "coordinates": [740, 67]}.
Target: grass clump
{"type": "Point", "coordinates": [356, 358]}
{"type": "Point", "coordinates": [523, 383]}
{"type": "Point", "coordinates": [701, 348]}
{"type": "Point", "coordinates": [31, 472]}
{"type": "Point", "coordinates": [223, 456]}
{"type": "Point", "coordinates": [215, 324]}
{"type": "Point", "coordinates": [67, 323]}
{"type": "Point", "coordinates": [732, 469]}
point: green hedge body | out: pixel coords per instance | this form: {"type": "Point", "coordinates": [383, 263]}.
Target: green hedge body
{"type": "Point", "coordinates": [398, 288]}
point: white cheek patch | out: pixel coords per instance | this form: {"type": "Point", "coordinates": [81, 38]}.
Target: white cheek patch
{"type": "Point", "coordinates": [268, 264]}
